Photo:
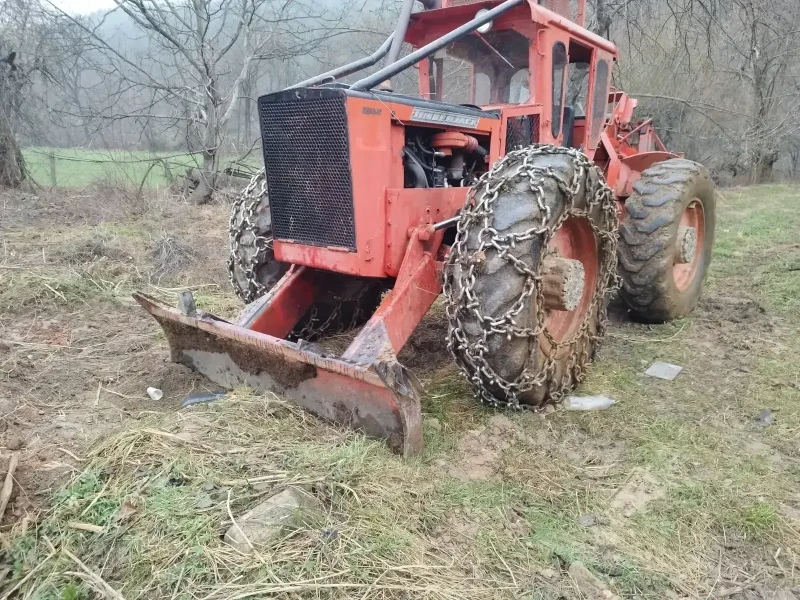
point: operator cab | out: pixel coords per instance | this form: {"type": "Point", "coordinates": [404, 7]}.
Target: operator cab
{"type": "Point", "coordinates": [536, 65]}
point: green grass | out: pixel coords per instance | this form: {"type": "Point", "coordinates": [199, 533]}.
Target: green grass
{"type": "Point", "coordinates": [76, 167]}
{"type": "Point", "coordinates": [706, 488]}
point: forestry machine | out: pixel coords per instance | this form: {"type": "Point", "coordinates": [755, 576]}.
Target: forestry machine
{"type": "Point", "coordinates": [492, 163]}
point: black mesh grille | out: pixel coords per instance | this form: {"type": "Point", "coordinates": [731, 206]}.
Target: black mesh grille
{"type": "Point", "coordinates": [307, 157]}
{"type": "Point", "coordinates": [521, 132]}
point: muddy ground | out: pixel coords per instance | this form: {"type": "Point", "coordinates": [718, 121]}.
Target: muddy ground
{"type": "Point", "coordinates": [683, 489]}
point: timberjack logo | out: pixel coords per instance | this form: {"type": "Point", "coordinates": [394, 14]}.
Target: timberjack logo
{"type": "Point", "coordinates": [426, 115]}
{"type": "Point", "coordinates": [368, 110]}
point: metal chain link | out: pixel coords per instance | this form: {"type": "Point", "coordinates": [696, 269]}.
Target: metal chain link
{"type": "Point", "coordinates": [244, 213]}
{"type": "Point", "coordinates": [462, 302]}
{"type": "Point", "coordinates": [250, 198]}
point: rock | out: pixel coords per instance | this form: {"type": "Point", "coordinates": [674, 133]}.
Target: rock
{"type": "Point", "coordinates": [204, 501]}
{"type": "Point", "coordinates": [549, 409]}
{"type": "Point", "coordinates": [590, 587]}
{"type": "Point", "coordinates": [591, 519]}
{"type": "Point", "coordinates": [765, 418]}
{"type": "Point", "coordinates": [433, 423]}
{"type": "Point", "coordinates": [186, 303]}
{"type": "Point", "coordinates": [549, 574]}
{"type": "Point", "coordinates": [13, 442]}
{"type": "Point", "coordinates": [663, 370]}
{"type": "Point", "coordinates": [266, 521]}
{"type": "Point", "coordinates": [328, 535]}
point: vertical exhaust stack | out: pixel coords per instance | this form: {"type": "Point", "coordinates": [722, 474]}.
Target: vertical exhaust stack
{"type": "Point", "coordinates": [398, 37]}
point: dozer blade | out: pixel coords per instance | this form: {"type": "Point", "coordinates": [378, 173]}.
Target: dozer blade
{"type": "Point", "coordinates": [381, 398]}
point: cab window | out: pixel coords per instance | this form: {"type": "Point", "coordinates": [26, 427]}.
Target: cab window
{"type": "Point", "coordinates": [559, 73]}
{"type": "Point", "coordinates": [599, 101]}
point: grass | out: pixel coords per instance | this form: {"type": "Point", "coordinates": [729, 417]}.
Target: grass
{"type": "Point", "coordinates": [685, 494]}
{"type": "Point", "coordinates": [77, 167]}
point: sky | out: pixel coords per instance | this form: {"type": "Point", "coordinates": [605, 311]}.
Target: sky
{"type": "Point", "coordinates": [82, 7]}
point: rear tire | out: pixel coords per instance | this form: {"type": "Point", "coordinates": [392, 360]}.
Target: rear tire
{"type": "Point", "coordinates": [532, 355]}
{"type": "Point", "coordinates": [656, 285]}
{"type": "Point", "coordinates": [346, 302]}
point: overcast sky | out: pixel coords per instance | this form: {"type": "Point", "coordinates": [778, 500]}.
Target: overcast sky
{"type": "Point", "coordinates": [83, 6]}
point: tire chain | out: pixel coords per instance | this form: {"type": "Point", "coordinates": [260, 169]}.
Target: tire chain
{"type": "Point", "coordinates": [250, 199]}
{"type": "Point", "coordinates": [461, 298]}
{"type": "Point", "coordinates": [312, 328]}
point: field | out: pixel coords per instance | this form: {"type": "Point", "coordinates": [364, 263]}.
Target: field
{"type": "Point", "coordinates": [683, 489]}
{"type": "Point", "coordinates": [78, 168]}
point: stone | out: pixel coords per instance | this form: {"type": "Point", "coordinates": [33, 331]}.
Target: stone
{"type": "Point", "coordinates": [13, 442]}
{"type": "Point", "coordinates": [204, 501]}
{"type": "Point", "coordinates": [549, 574]}
{"type": "Point", "coordinates": [433, 424]}
{"type": "Point", "coordinates": [765, 418]}
{"type": "Point", "coordinates": [267, 521]}
{"type": "Point", "coordinates": [662, 370]}
{"type": "Point", "coordinates": [588, 584]}
{"type": "Point", "coordinates": [591, 519]}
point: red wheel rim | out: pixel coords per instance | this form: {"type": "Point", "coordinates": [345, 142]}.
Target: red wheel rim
{"type": "Point", "coordinates": [684, 273]}
{"type": "Point", "coordinates": [574, 240]}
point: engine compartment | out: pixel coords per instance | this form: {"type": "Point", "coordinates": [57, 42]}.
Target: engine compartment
{"type": "Point", "coordinates": [434, 158]}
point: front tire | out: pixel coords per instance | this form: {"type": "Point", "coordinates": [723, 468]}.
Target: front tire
{"type": "Point", "coordinates": [536, 205]}
{"type": "Point", "coordinates": [666, 240]}
{"type": "Point", "coordinates": [344, 302]}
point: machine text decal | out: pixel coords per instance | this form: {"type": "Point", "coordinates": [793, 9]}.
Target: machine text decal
{"type": "Point", "coordinates": [426, 115]}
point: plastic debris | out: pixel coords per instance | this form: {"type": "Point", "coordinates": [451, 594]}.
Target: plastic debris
{"type": "Point", "coordinates": [202, 397]}
{"type": "Point", "coordinates": [588, 402]}
{"type": "Point", "coordinates": [766, 418]}
{"type": "Point", "coordinates": [155, 393]}
{"type": "Point", "coordinates": [663, 370]}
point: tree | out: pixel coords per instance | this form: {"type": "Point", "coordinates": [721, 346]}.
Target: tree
{"type": "Point", "coordinates": [188, 71]}
{"type": "Point", "coordinates": [720, 77]}
{"type": "Point", "coordinates": [12, 170]}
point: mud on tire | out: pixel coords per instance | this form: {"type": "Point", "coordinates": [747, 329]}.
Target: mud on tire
{"type": "Point", "coordinates": [347, 301]}
{"type": "Point", "coordinates": [497, 322]}
{"type": "Point", "coordinates": [669, 195]}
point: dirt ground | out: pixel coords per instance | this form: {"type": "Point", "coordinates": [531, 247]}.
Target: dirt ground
{"type": "Point", "coordinates": [684, 489]}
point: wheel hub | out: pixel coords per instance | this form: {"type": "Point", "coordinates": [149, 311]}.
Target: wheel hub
{"type": "Point", "coordinates": [570, 272]}
{"type": "Point", "coordinates": [686, 246]}
{"type": "Point", "coordinates": [563, 280]}
{"type": "Point", "coordinates": [689, 246]}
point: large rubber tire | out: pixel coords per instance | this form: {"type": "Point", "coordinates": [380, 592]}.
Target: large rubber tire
{"type": "Point", "coordinates": [347, 302]}
{"type": "Point", "coordinates": [649, 236]}
{"type": "Point", "coordinates": [498, 285]}
{"type": "Point", "coordinates": [251, 246]}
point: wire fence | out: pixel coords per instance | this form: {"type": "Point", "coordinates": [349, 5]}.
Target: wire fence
{"type": "Point", "coordinates": [79, 167]}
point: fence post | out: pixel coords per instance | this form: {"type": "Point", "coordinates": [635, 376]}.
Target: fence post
{"type": "Point", "coordinates": [52, 169]}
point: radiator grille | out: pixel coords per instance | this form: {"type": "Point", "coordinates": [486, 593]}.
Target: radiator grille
{"type": "Point", "coordinates": [521, 132]}
{"type": "Point", "coordinates": [307, 158]}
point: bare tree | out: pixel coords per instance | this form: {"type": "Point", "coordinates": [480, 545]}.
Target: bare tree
{"type": "Point", "coordinates": [720, 77]}
{"type": "Point", "coordinates": [192, 62]}
{"type": "Point", "coordinates": [12, 170]}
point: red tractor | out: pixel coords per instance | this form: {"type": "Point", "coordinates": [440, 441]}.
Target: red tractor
{"type": "Point", "coordinates": [515, 181]}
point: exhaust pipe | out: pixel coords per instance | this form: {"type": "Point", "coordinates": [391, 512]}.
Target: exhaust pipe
{"type": "Point", "coordinates": [398, 37]}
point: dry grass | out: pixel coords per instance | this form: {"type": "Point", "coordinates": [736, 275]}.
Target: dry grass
{"type": "Point", "coordinates": [674, 492]}
{"type": "Point", "coordinates": [370, 540]}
